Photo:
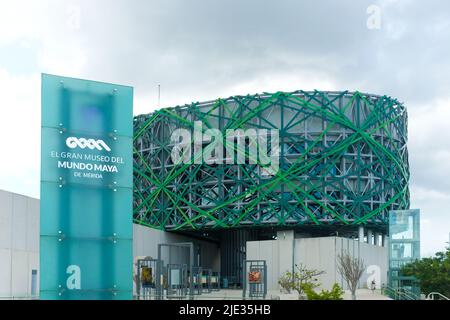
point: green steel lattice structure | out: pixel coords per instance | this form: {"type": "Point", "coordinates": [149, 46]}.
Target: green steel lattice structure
{"type": "Point", "coordinates": [343, 162]}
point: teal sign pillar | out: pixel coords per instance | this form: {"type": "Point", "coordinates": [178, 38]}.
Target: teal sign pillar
{"type": "Point", "coordinates": [86, 190]}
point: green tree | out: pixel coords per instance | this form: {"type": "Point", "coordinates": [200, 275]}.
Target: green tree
{"type": "Point", "coordinates": [300, 279]}
{"type": "Point", "coordinates": [285, 281]}
{"type": "Point", "coordinates": [336, 293]}
{"type": "Point", "coordinates": [433, 273]}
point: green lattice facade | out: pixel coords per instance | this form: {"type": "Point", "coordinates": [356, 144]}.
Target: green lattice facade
{"type": "Point", "coordinates": [343, 162]}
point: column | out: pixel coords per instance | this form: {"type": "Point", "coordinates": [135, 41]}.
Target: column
{"type": "Point", "coordinates": [285, 244]}
{"type": "Point", "coordinates": [361, 233]}
{"type": "Point", "coordinates": [369, 236]}
{"type": "Point", "coordinates": [376, 239]}
{"type": "Point", "coordinates": [385, 240]}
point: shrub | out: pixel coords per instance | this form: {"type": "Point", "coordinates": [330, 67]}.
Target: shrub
{"type": "Point", "coordinates": [336, 293]}
{"type": "Point", "coordinates": [300, 278]}
{"type": "Point", "coordinates": [285, 281]}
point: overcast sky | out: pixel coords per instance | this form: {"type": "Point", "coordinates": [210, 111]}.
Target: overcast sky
{"type": "Point", "coordinates": [201, 50]}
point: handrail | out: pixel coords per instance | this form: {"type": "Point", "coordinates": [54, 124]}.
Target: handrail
{"type": "Point", "coordinates": [431, 296]}
{"type": "Point", "coordinates": [408, 294]}
{"type": "Point", "coordinates": [399, 294]}
{"type": "Point", "coordinates": [18, 297]}
{"type": "Point", "coordinates": [387, 289]}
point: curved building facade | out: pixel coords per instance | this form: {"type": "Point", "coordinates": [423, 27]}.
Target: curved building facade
{"type": "Point", "coordinates": [342, 161]}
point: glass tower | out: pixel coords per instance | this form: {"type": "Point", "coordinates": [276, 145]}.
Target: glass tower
{"type": "Point", "coordinates": [404, 247]}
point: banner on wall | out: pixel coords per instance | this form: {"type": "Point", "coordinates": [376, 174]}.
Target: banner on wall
{"type": "Point", "coordinates": [86, 190]}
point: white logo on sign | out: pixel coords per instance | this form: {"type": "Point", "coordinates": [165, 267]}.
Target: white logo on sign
{"type": "Point", "coordinates": [83, 143]}
{"type": "Point", "coordinates": [74, 280]}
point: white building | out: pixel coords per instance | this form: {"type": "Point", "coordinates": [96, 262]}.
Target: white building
{"type": "Point", "coordinates": [321, 253]}
{"type": "Point", "coordinates": [19, 245]}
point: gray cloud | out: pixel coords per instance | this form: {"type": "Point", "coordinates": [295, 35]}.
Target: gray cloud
{"type": "Point", "coordinates": [199, 45]}
{"type": "Point", "coordinates": [202, 45]}
{"type": "Point", "coordinates": [203, 49]}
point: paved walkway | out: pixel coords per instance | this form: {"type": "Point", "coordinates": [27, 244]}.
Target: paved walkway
{"type": "Point", "coordinates": [229, 294]}
{"type": "Point", "coordinates": [366, 294]}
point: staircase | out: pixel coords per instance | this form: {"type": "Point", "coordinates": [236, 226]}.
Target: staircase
{"type": "Point", "coordinates": [436, 296]}
{"type": "Point", "coordinates": [399, 293]}
{"type": "Point", "coordinates": [404, 294]}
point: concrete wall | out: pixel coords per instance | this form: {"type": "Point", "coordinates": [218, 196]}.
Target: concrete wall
{"type": "Point", "coordinates": [375, 259]}
{"type": "Point", "coordinates": [277, 253]}
{"type": "Point", "coordinates": [266, 250]}
{"type": "Point", "coordinates": [318, 253]}
{"type": "Point", "coordinates": [19, 244]}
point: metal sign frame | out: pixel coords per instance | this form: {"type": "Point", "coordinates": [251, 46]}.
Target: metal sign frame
{"type": "Point", "coordinates": [154, 289]}
{"type": "Point", "coordinates": [258, 289]}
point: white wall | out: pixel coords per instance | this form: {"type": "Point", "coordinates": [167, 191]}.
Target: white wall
{"type": "Point", "coordinates": [19, 244]}
{"type": "Point", "coordinates": [277, 253]}
{"type": "Point", "coordinates": [146, 240]}
{"type": "Point", "coordinates": [320, 254]}
{"type": "Point", "coordinates": [270, 251]}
